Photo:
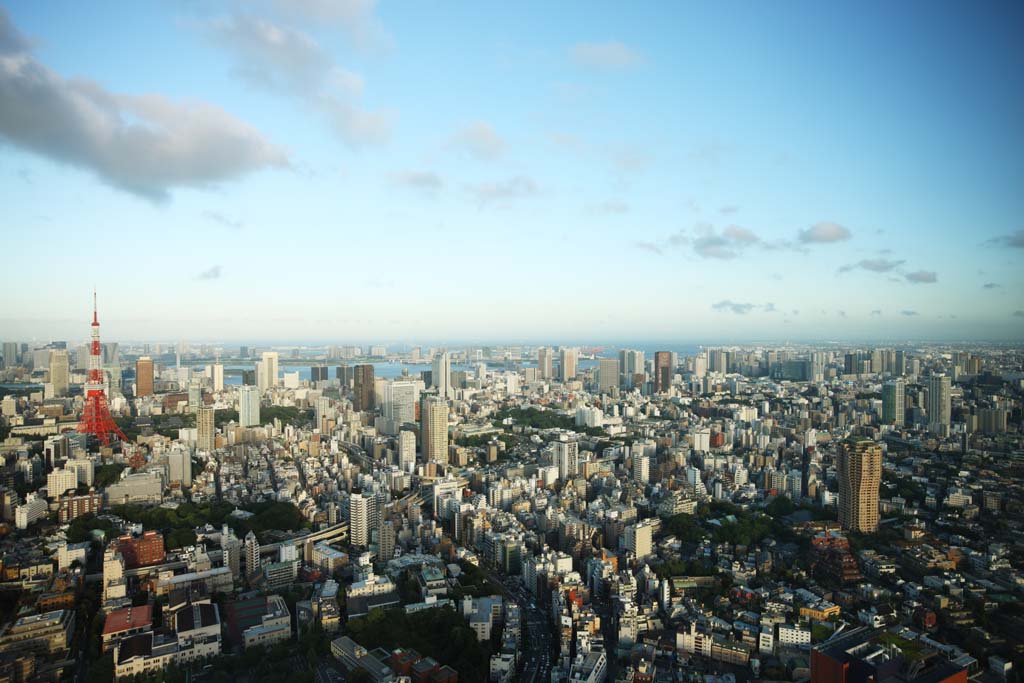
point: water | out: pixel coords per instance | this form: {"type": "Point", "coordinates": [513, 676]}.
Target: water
{"type": "Point", "coordinates": [380, 369]}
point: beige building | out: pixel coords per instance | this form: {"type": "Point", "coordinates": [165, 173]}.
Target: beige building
{"type": "Point", "coordinates": [434, 428]}
{"type": "Point", "coordinates": [860, 474]}
{"type": "Point", "coordinates": [205, 429]}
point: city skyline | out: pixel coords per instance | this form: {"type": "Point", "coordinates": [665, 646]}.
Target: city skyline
{"type": "Point", "coordinates": [286, 173]}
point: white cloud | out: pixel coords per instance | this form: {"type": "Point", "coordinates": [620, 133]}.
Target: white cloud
{"type": "Point", "coordinates": [287, 61]}
{"type": "Point", "coordinates": [875, 265]}
{"type": "Point", "coordinates": [922, 277]}
{"type": "Point", "coordinates": [420, 180]}
{"type": "Point", "coordinates": [480, 140]}
{"type": "Point", "coordinates": [824, 233]}
{"type": "Point", "coordinates": [355, 17]}
{"type": "Point", "coordinates": [607, 55]}
{"type": "Point", "coordinates": [517, 187]}
{"type": "Point", "coordinates": [145, 144]}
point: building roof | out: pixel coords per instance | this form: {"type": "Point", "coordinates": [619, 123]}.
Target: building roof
{"type": "Point", "coordinates": [127, 619]}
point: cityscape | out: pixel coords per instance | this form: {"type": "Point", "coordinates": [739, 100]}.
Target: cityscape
{"type": "Point", "coordinates": [349, 341]}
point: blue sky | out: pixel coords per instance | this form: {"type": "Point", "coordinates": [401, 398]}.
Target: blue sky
{"type": "Point", "coordinates": [353, 171]}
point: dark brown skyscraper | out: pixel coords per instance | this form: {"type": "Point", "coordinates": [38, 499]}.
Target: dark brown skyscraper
{"type": "Point", "coordinates": [662, 371]}
{"type": "Point", "coordinates": [144, 376]}
{"type": "Point", "coordinates": [363, 387]}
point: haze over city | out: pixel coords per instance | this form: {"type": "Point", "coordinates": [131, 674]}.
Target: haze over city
{"type": "Point", "coordinates": [315, 171]}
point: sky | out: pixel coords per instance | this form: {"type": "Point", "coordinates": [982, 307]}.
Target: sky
{"type": "Point", "coordinates": [353, 171]}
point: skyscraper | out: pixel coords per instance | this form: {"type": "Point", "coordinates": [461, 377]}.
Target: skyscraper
{"type": "Point", "coordinates": [217, 371]}
{"type": "Point", "coordinates": [406, 450]}
{"type": "Point", "coordinates": [60, 372]}
{"type": "Point", "coordinates": [544, 363]}
{"type": "Point", "coordinates": [363, 388]}
{"type": "Point", "coordinates": [266, 371]}
{"type": "Point", "coordinates": [859, 464]}
{"type": "Point", "coordinates": [434, 428]}
{"type": "Point", "coordinates": [144, 376]}
{"type": "Point", "coordinates": [939, 404]}
{"type": "Point", "coordinates": [662, 371]}
{"type": "Point", "coordinates": [204, 429]}
{"type": "Point", "coordinates": [248, 406]}
{"type": "Point", "coordinates": [11, 354]}
{"type": "Point", "coordinates": [441, 375]}
{"type": "Point", "coordinates": [893, 402]}
{"type": "Point", "coordinates": [631, 364]}
{"type": "Point", "coordinates": [400, 401]}
{"type": "Point", "coordinates": [607, 374]}
{"type": "Point", "coordinates": [359, 519]}
{"type": "Point", "coordinates": [567, 358]}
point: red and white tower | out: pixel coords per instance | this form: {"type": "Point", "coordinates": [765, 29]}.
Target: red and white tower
{"type": "Point", "coordinates": [96, 419]}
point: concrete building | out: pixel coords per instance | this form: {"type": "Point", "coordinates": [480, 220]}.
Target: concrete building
{"type": "Point", "coordinates": [859, 465]}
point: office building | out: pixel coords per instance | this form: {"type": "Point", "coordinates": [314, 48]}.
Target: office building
{"type": "Point", "coordinates": [631, 365]}
{"type": "Point", "coordinates": [545, 359]}
{"type": "Point", "coordinates": [363, 388]}
{"type": "Point", "coordinates": [567, 360]}
{"type": "Point", "coordinates": [607, 375]}
{"type": "Point", "coordinates": [406, 450]}
{"type": "Point", "coordinates": [217, 375]}
{"type": "Point", "coordinates": [11, 354]}
{"type": "Point", "coordinates": [179, 464]}
{"type": "Point", "coordinates": [267, 371]}
{"type": "Point", "coordinates": [434, 428]}
{"type": "Point", "coordinates": [939, 403]}
{"type": "Point", "coordinates": [60, 372]}
{"type": "Point", "coordinates": [248, 406]}
{"type": "Point", "coordinates": [639, 538]}
{"type": "Point", "coordinates": [144, 376]}
{"type": "Point", "coordinates": [205, 429]}
{"type": "Point", "coordinates": [893, 402]}
{"type": "Point", "coordinates": [400, 398]}
{"type": "Point", "coordinates": [859, 465]}
{"type": "Point", "coordinates": [662, 371]}
{"type": "Point", "coordinates": [441, 375]}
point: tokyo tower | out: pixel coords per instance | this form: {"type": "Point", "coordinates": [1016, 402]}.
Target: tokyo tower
{"type": "Point", "coordinates": [96, 419]}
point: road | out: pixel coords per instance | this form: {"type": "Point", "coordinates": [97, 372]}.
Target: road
{"type": "Point", "coordinates": [536, 658]}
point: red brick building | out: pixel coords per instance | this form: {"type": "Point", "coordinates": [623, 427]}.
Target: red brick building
{"type": "Point", "coordinates": [140, 551]}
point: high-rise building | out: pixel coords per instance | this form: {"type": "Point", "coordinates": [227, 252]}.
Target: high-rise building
{"type": "Point", "coordinates": [545, 359]}
{"type": "Point", "coordinates": [11, 355]}
{"type": "Point", "coordinates": [639, 537]}
{"type": "Point", "coordinates": [441, 375]}
{"type": "Point", "coordinates": [939, 404]}
{"type": "Point", "coordinates": [607, 374]}
{"type": "Point", "coordinates": [434, 428]}
{"type": "Point", "coordinates": [252, 554]}
{"type": "Point", "coordinates": [718, 361]}
{"type": "Point", "coordinates": [406, 450]}
{"type": "Point", "coordinates": [60, 371]}
{"type": "Point", "coordinates": [893, 402]}
{"type": "Point", "coordinates": [859, 464]}
{"type": "Point", "coordinates": [248, 406]}
{"type": "Point", "coordinates": [566, 457]}
{"type": "Point", "coordinates": [386, 540]}
{"type": "Point", "coordinates": [662, 371]}
{"type": "Point", "coordinates": [363, 388]}
{"type": "Point", "coordinates": [179, 464]}
{"type": "Point", "coordinates": [144, 376]}
{"type": "Point", "coordinates": [359, 519]}
{"type": "Point", "coordinates": [567, 358]}
{"type": "Point", "coordinates": [217, 371]}
{"type": "Point", "coordinates": [631, 364]}
{"type": "Point", "coordinates": [400, 398]}
{"type": "Point", "coordinates": [641, 468]}
{"type": "Point", "coordinates": [318, 373]}
{"type": "Point", "coordinates": [204, 429]}
{"type": "Point", "coordinates": [267, 371]}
